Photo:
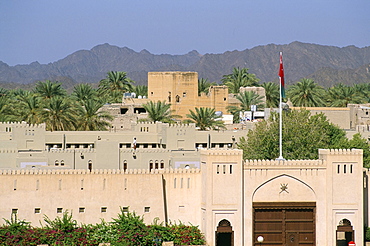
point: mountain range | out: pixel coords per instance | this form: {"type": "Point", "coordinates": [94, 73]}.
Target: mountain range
{"type": "Point", "coordinates": [327, 65]}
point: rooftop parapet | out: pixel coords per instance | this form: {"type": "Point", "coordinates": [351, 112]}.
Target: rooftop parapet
{"type": "Point", "coordinates": [340, 151]}
{"type": "Point", "coordinates": [96, 171]}
{"type": "Point", "coordinates": [23, 125]}
{"type": "Point", "coordinates": [277, 163]}
{"type": "Point", "coordinates": [221, 151]}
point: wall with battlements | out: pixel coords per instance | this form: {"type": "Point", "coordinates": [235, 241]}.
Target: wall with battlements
{"type": "Point", "coordinates": [203, 187]}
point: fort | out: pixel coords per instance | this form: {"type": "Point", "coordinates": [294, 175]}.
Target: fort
{"type": "Point", "coordinates": [178, 173]}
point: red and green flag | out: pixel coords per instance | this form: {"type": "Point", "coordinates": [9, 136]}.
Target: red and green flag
{"type": "Point", "coordinates": [281, 75]}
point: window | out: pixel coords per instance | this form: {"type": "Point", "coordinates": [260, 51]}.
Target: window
{"type": "Point", "coordinates": [345, 168]}
{"type": "Point", "coordinates": [56, 163]}
{"type": "Point", "coordinates": [59, 210]}
{"type": "Point", "coordinates": [338, 171]}
{"type": "Point", "coordinates": [82, 184]}
{"type": "Point", "coordinates": [150, 165]}
{"type": "Point", "coordinates": [351, 169]}
{"type": "Point", "coordinates": [188, 183]}
{"type": "Point", "coordinates": [37, 210]}
{"type": "Point", "coordinates": [224, 169]}
{"type": "Point", "coordinates": [103, 209]}
{"type": "Point", "coordinates": [184, 94]}
{"type": "Point", "coordinates": [81, 210]}
{"type": "Point", "coordinates": [162, 164]}
{"type": "Point", "coordinates": [15, 185]}
{"type": "Point", "coordinates": [125, 165]}
{"type": "Point", "coordinates": [125, 209]}
{"type": "Point", "coordinates": [174, 183]}
{"type": "Point", "coordinates": [231, 169]}
{"type": "Point", "coordinates": [146, 209]}
{"type": "Point", "coordinates": [62, 162]}
{"type": "Point", "coordinates": [14, 210]}
{"type": "Point", "coordinates": [177, 98]}
{"type": "Point", "coordinates": [156, 165]}
{"type": "Point", "coordinates": [218, 169]}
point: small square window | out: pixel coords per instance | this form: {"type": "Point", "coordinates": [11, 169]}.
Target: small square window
{"type": "Point", "coordinates": [125, 209]}
{"type": "Point", "coordinates": [103, 209]}
{"type": "Point", "coordinates": [37, 210]}
{"type": "Point", "coordinates": [14, 210]}
{"type": "Point", "coordinates": [59, 210]}
{"type": "Point", "coordinates": [81, 210]}
{"type": "Point", "coordinates": [146, 209]}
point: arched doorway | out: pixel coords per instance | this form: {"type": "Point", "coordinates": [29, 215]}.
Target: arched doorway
{"type": "Point", "coordinates": [224, 234]}
{"type": "Point", "coordinates": [345, 233]}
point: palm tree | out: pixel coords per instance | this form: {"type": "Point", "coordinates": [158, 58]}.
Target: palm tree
{"type": "Point", "coordinates": [83, 92]}
{"type": "Point", "coordinates": [28, 107]}
{"type": "Point", "coordinates": [363, 91]}
{"type": "Point", "coordinates": [205, 119]}
{"type": "Point", "coordinates": [160, 111]}
{"type": "Point", "coordinates": [49, 89]}
{"type": "Point", "coordinates": [90, 118]}
{"type": "Point", "coordinates": [306, 93]}
{"type": "Point", "coordinates": [203, 85]}
{"type": "Point", "coordinates": [246, 99]}
{"type": "Point", "coordinates": [340, 95]}
{"type": "Point", "coordinates": [115, 85]}
{"type": "Point", "coordinates": [59, 114]}
{"type": "Point", "coordinates": [140, 90]}
{"type": "Point", "coordinates": [272, 94]}
{"type": "Point", "coordinates": [6, 109]}
{"type": "Point", "coordinates": [239, 78]}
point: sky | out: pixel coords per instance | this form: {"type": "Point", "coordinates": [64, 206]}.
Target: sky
{"type": "Point", "coordinates": [47, 31]}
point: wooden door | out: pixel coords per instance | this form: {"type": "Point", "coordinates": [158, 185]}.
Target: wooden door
{"type": "Point", "coordinates": [291, 224]}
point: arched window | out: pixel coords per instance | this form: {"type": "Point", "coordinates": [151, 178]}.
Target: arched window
{"type": "Point", "coordinates": [150, 165]}
{"type": "Point", "coordinates": [125, 165]}
{"type": "Point", "coordinates": [56, 163]}
{"type": "Point", "coordinates": [90, 165]}
{"type": "Point", "coordinates": [177, 98]}
{"type": "Point", "coordinates": [162, 164]}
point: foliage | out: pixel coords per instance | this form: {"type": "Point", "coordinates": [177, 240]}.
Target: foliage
{"type": "Point", "coordinates": [140, 90]}
{"type": "Point", "coordinates": [246, 99]}
{"type": "Point", "coordinates": [91, 118]}
{"type": "Point", "coordinates": [65, 224]}
{"type": "Point", "coordinates": [306, 93]}
{"type": "Point", "coordinates": [83, 92]}
{"type": "Point", "coordinates": [128, 229]}
{"type": "Point", "coordinates": [49, 89]}
{"type": "Point", "coordinates": [58, 114]}
{"type": "Point", "coordinates": [160, 111]}
{"type": "Point", "coordinates": [341, 95]}
{"type": "Point", "coordinates": [203, 85]}
{"type": "Point", "coordinates": [205, 119]}
{"type": "Point", "coordinates": [240, 77]}
{"type": "Point", "coordinates": [303, 135]}
{"type": "Point", "coordinates": [187, 235]}
{"type": "Point", "coordinates": [114, 85]}
{"type": "Point", "coordinates": [272, 94]}
{"type": "Point", "coordinates": [357, 142]}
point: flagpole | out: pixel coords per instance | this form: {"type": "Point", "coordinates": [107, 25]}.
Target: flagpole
{"type": "Point", "coordinates": [281, 158]}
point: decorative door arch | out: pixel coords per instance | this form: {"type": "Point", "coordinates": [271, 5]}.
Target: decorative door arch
{"type": "Point", "coordinates": [345, 233]}
{"type": "Point", "coordinates": [224, 234]}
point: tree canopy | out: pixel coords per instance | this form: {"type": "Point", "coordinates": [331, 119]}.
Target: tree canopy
{"type": "Point", "coordinates": [303, 135]}
{"type": "Point", "coordinates": [205, 119]}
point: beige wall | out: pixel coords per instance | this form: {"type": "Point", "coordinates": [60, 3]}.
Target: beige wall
{"type": "Point", "coordinates": [222, 188]}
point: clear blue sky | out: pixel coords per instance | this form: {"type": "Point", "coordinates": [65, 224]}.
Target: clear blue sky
{"type": "Point", "coordinates": [49, 30]}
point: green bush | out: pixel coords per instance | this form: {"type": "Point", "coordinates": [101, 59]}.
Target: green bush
{"type": "Point", "coordinates": [128, 229]}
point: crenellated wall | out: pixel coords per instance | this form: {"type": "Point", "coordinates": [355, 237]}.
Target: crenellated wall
{"type": "Point", "coordinates": [53, 191]}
